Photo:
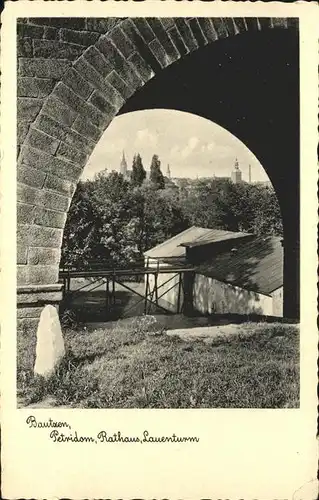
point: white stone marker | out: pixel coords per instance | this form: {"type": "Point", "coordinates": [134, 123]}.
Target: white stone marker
{"type": "Point", "coordinates": [50, 344]}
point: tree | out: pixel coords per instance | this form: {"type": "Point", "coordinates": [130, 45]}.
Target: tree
{"type": "Point", "coordinates": [113, 199]}
{"type": "Point", "coordinates": [221, 204]}
{"type": "Point", "coordinates": [138, 171]}
{"type": "Point", "coordinates": [156, 175]}
{"type": "Point", "coordinates": [204, 205]}
{"type": "Point", "coordinates": [81, 237]}
{"type": "Point", "coordinates": [113, 185]}
{"type": "Point", "coordinates": [267, 215]}
{"type": "Point", "coordinates": [157, 217]}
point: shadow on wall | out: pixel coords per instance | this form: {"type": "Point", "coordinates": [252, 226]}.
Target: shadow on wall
{"type": "Point", "coordinates": [213, 297]}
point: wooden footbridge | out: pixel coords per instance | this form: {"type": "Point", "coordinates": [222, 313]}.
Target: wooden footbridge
{"type": "Point", "coordinates": [99, 274]}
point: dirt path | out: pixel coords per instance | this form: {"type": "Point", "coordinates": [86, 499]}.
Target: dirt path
{"type": "Point", "coordinates": [206, 333]}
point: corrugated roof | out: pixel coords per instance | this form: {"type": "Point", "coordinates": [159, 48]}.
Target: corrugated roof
{"type": "Point", "coordinates": [193, 236]}
{"type": "Point", "coordinates": [214, 236]}
{"type": "Point", "coordinates": [254, 265]}
{"type": "Point", "coordinates": [171, 247]}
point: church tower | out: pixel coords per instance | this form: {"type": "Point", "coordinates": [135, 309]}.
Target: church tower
{"type": "Point", "coordinates": [236, 175]}
{"type": "Point", "coordinates": [123, 166]}
{"type": "Point", "coordinates": [168, 172]}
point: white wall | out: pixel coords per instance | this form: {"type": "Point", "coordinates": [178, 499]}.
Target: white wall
{"type": "Point", "coordinates": [212, 296]}
{"type": "Point", "coordinates": [278, 301]}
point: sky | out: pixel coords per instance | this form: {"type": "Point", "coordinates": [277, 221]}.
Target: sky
{"type": "Point", "coordinates": [191, 145]}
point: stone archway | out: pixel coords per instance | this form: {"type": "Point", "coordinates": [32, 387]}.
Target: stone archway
{"type": "Point", "coordinates": [74, 76]}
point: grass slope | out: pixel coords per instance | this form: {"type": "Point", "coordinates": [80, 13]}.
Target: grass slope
{"type": "Point", "coordinates": [141, 367]}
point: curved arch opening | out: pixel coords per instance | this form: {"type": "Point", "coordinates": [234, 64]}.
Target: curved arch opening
{"type": "Point", "coordinates": [209, 186]}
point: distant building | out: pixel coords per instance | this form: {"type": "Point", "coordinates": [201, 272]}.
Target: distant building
{"type": "Point", "coordinates": [221, 178]}
{"type": "Point", "coordinates": [264, 183]}
{"type": "Point", "coordinates": [169, 184]}
{"type": "Point", "coordinates": [180, 181]}
{"type": "Point", "coordinates": [236, 175]}
{"type": "Point", "coordinates": [232, 272]}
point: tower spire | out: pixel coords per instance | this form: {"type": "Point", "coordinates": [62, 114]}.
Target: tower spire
{"type": "Point", "coordinates": [123, 165]}
{"type": "Point", "coordinates": [168, 171]}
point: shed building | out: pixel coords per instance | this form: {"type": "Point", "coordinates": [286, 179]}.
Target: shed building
{"type": "Point", "coordinates": [232, 272]}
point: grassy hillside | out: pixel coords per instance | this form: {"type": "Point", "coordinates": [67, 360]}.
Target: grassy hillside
{"type": "Point", "coordinates": [139, 366]}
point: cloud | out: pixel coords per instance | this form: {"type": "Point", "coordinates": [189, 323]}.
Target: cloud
{"type": "Point", "coordinates": [145, 137]}
{"type": "Point", "coordinates": [190, 148]}
{"type": "Point", "coordinates": [188, 143]}
{"type": "Point", "coordinates": [175, 151]}
{"type": "Point", "coordinates": [217, 150]}
{"type": "Point", "coordinates": [222, 151]}
{"type": "Point", "coordinates": [192, 142]}
{"type": "Point", "coordinates": [208, 147]}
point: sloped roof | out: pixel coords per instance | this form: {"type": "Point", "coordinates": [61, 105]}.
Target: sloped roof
{"type": "Point", "coordinates": [253, 264]}
{"type": "Point", "coordinates": [214, 236]}
{"type": "Point", "coordinates": [193, 236]}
